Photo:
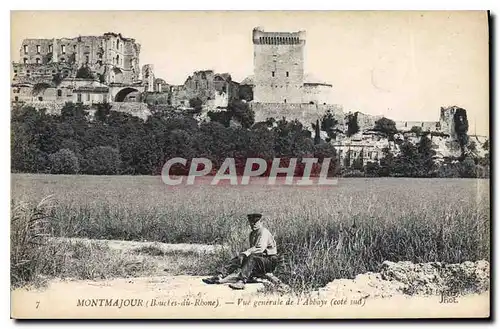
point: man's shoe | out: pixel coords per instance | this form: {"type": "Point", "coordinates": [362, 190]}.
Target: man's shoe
{"type": "Point", "coordinates": [240, 285]}
{"type": "Point", "coordinates": [212, 280]}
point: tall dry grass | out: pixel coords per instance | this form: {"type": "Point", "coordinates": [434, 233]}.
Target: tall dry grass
{"type": "Point", "coordinates": [36, 257]}
{"type": "Point", "coordinates": [323, 233]}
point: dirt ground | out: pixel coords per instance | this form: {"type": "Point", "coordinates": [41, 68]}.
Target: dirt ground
{"type": "Point", "coordinates": [370, 295]}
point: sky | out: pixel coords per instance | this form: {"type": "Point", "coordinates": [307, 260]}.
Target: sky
{"type": "Point", "coordinates": [404, 65]}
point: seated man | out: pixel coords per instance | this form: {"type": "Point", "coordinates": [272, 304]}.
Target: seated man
{"type": "Point", "coordinates": [259, 259]}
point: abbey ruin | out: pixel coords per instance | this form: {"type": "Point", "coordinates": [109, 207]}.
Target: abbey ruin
{"type": "Point", "coordinates": [106, 69]}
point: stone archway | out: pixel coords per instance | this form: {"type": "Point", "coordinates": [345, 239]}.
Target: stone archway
{"type": "Point", "coordinates": [120, 96]}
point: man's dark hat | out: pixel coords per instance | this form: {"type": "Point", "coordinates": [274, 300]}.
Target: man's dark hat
{"type": "Point", "coordinates": [254, 217]}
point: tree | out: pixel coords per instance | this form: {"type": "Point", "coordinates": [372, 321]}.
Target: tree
{"type": "Point", "coordinates": [386, 126]}
{"type": "Point", "coordinates": [386, 162]}
{"type": "Point", "coordinates": [329, 124]}
{"type": "Point", "coordinates": [57, 78]}
{"type": "Point", "coordinates": [347, 159]}
{"type": "Point", "coordinates": [467, 168]}
{"type": "Point", "coordinates": [242, 112]}
{"type": "Point", "coordinates": [245, 93]}
{"type": "Point", "coordinates": [357, 164]}
{"type": "Point", "coordinates": [406, 163]}
{"type": "Point", "coordinates": [222, 117]}
{"type": "Point", "coordinates": [486, 145]}
{"type": "Point", "coordinates": [472, 147]}
{"type": "Point", "coordinates": [196, 103]}
{"type": "Point", "coordinates": [102, 160]}
{"type": "Point", "coordinates": [84, 72]}
{"type": "Point", "coordinates": [372, 169]}
{"type": "Point", "coordinates": [102, 111]}
{"type": "Point", "coordinates": [416, 130]}
{"type": "Point", "coordinates": [352, 124]}
{"type": "Point", "coordinates": [317, 135]}
{"type": "Point", "coordinates": [326, 150]}
{"type": "Point", "coordinates": [291, 139]}
{"type": "Point", "coordinates": [426, 153]}
{"type": "Point", "coordinates": [63, 161]}
{"type": "Point", "coordinates": [485, 161]}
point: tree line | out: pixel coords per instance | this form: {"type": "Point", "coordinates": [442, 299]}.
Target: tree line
{"type": "Point", "coordinates": [119, 143]}
{"type": "Point", "coordinates": [116, 143]}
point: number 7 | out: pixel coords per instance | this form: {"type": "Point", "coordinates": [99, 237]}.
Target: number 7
{"type": "Point", "coordinates": [37, 304]}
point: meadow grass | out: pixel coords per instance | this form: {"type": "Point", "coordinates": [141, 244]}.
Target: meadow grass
{"type": "Point", "coordinates": [324, 233]}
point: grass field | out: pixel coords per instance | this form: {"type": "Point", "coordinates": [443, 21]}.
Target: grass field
{"type": "Point", "coordinates": [323, 232]}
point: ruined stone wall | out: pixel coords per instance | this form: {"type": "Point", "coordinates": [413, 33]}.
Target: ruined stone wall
{"type": "Point", "coordinates": [431, 126]}
{"type": "Point", "coordinates": [148, 77]}
{"type": "Point", "coordinates": [317, 93]}
{"type": "Point", "coordinates": [366, 121]}
{"type": "Point", "coordinates": [305, 113]}
{"type": "Point", "coordinates": [34, 73]}
{"type": "Point", "coordinates": [179, 96]}
{"type": "Point", "coordinates": [221, 99]}
{"type": "Point", "coordinates": [201, 85]}
{"type": "Point", "coordinates": [157, 98]}
{"type": "Point", "coordinates": [99, 53]}
{"type": "Point", "coordinates": [278, 66]}
{"type": "Point", "coordinates": [446, 119]}
{"type": "Point", "coordinates": [35, 50]}
{"type": "Point", "coordinates": [140, 110]}
{"type": "Point", "coordinates": [69, 90]}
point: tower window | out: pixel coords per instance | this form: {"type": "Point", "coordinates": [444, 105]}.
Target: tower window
{"type": "Point", "coordinates": [16, 99]}
{"type": "Point", "coordinates": [63, 49]}
{"type": "Point", "coordinates": [37, 49]}
{"type": "Point", "coordinates": [74, 47]}
{"type": "Point", "coordinates": [86, 58]}
{"type": "Point", "coordinates": [59, 92]}
{"type": "Point", "coordinates": [25, 47]}
{"type": "Point", "coordinates": [272, 73]}
{"type": "Point", "coordinates": [287, 74]}
{"type": "Point", "coordinates": [40, 98]}
{"type": "Point", "coordinates": [50, 48]}
{"type": "Point", "coordinates": [37, 60]}
{"type": "Point", "coordinates": [25, 60]}
{"type": "Point", "coordinates": [284, 100]}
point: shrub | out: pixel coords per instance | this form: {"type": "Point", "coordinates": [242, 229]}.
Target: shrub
{"type": "Point", "coordinates": [386, 126]}
{"type": "Point", "coordinates": [84, 72]}
{"type": "Point", "coordinates": [102, 160]}
{"type": "Point", "coordinates": [352, 124]}
{"type": "Point", "coordinates": [372, 169]}
{"type": "Point", "coordinates": [196, 103]}
{"type": "Point", "coordinates": [63, 161]}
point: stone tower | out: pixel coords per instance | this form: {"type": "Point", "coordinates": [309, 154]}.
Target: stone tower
{"type": "Point", "coordinates": [55, 56]}
{"type": "Point", "coordinates": [278, 66]}
{"type": "Point", "coordinates": [148, 77]}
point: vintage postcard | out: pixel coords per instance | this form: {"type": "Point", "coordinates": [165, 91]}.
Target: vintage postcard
{"type": "Point", "coordinates": [250, 164]}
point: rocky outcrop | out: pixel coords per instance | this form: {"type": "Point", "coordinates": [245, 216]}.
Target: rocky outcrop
{"type": "Point", "coordinates": [407, 278]}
